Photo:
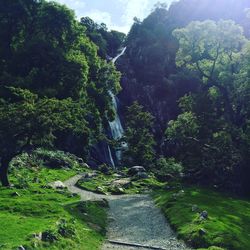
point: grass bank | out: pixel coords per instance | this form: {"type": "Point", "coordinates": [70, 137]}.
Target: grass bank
{"type": "Point", "coordinates": [35, 216]}
{"type": "Point", "coordinates": [227, 225]}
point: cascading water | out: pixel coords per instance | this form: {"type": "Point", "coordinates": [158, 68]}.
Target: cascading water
{"type": "Point", "coordinates": [116, 126]}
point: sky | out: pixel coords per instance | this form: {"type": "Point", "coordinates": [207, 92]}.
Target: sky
{"type": "Point", "coordinates": [116, 14]}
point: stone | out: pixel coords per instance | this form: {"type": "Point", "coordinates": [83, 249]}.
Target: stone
{"type": "Point", "coordinates": [85, 165]}
{"type": "Point", "coordinates": [194, 208]}
{"type": "Point", "coordinates": [110, 219]}
{"type": "Point", "coordinates": [204, 215]}
{"type": "Point", "coordinates": [58, 185]}
{"type": "Point", "coordinates": [136, 169]}
{"type": "Point", "coordinates": [15, 194]}
{"type": "Point", "coordinates": [202, 231]}
{"type": "Point", "coordinates": [117, 190]}
{"type": "Point", "coordinates": [49, 236]}
{"type": "Point", "coordinates": [21, 248]}
{"type": "Point", "coordinates": [124, 183]}
{"type": "Point", "coordinates": [80, 160]}
{"type": "Point", "coordinates": [105, 169]}
{"type": "Point", "coordinates": [89, 175]}
{"type": "Point", "coordinates": [37, 236]}
{"type": "Point", "coordinates": [73, 194]}
{"type": "Point", "coordinates": [57, 163]}
{"type": "Point", "coordinates": [140, 175]}
{"type": "Point", "coordinates": [117, 175]}
{"type": "Point", "coordinates": [100, 190]}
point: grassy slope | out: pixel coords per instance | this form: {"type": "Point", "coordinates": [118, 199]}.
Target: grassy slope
{"type": "Point", "coordinates": [38, 209]}
{"type": "Point", "coordinates": [228, 224]}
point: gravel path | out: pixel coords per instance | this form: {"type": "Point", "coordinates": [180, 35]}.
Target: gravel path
{"type": "Point", "coordinates": [85, 195]}
{"type": "Point", "coordinates": [133, 219]}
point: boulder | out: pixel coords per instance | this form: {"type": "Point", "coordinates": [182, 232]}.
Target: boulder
{"type": "Point", "coordinates": [57, 163]}
{"type": "Point", "coordinates": [117, 190]}
{"type": "Point", "coordinates": [117, 175]}
{"type": "Point", "coordinates": [15, 194]}
{"type": "Point", "coordinates": [37, 236]}
{"type": "Point", "coordinates": [21, 248]}
{"type": "Point", "coordinates": [202, 231]}
{"type": "Point", "coordinates": [140, 175]}
{"type": "Point", "coordinates": [88, 176]}
{"type": "Point", "coordinates": [204, 215]}
{"type": "Point", "coordinates": [124, 183]}
{"type": "Point", "coordinates": [58, 185]}
{"type": "Point", "coordinates": [100, 190]}
{"type": "Point", "coordinates": [136, 169]}
{"type": "Point", "coordinates": [49, 236]}
{"type": "Point", "coordinates": [194, 208]}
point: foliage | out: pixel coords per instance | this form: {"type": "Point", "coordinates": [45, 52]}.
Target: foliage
{"type": "Point", "coordinates": [108, 42]}
{"type": "Point", "coordinates": [168, 167]}
{"type": "Point", "coordinates": [59, 92]}
{"type": "Point", "coordinates": [209, 137]}
{"type": "Point", "coordinates": [139, 137]}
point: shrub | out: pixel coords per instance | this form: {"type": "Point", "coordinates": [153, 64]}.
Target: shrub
{"type": "Point", "coordinates": [168, 168]}
{"type": "Point", "coordinates": [66, 228]}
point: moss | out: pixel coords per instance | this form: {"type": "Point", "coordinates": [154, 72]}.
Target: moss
{"type": "Point", "coordinates": [228, 223]}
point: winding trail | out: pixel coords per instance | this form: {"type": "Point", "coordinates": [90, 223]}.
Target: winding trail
{"type": "Point", "coordinates": [133, 220]}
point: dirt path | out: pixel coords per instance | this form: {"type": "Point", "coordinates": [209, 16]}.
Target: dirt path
{"type": "Point", "coordinates": [133, 219]}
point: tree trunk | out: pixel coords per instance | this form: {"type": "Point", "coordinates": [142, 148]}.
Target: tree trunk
{"type": "Point", "coordinates": [4, 171]}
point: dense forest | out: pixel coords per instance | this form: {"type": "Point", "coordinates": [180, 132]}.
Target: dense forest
{"type": "Point", "coordinates": [175, 102]}
{"type": "Point", "coordinates": [188, 66]}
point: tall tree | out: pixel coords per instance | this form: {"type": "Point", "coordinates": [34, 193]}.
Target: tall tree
{"type": "Point", "coordinates": [139, 137]}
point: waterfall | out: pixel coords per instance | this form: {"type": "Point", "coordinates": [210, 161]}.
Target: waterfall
{"type": "Point", "coordinates": [120, 54]}
{"type": "Point", "coordinates": [116, 126]}
{"type": "Point", "coordinates": [111, 157]}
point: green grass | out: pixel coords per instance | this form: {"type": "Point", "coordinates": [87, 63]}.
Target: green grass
{"type": "Point", "coordinates": [38, 208]}
{"type": "Point", "coordinates": [104, 181]}
{"type": "Point", "coordinates": [228, 223]}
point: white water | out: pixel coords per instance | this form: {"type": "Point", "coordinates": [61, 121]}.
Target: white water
{"type": "Point", "coordinates": [121, 53]}
{"type": "Point", "coordinates": [116, 126]}
{"type": "Point", "coordinates": [111, 157]}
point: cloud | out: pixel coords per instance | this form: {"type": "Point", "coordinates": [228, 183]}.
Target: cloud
{"type": "Point", "coordinates": [129, 10]}
{"type": "Point", "coordinates": [100, 17]}
{"type": "Point", "coordinates": [135, 8]}
{"type": "Point", "coordinates": [77, 5]}
{"type": "Point", "coordinates": [105, 17]}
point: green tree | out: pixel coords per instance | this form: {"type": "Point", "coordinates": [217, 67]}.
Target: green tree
{"type": "Point", "coordinates": [209, 137]}
{"type": "Point", "coordinates": [28, 121]}
{"type": "Point", "coordinates": [212, 50]}
{"type": "Point", "coordinates": [139, 137]}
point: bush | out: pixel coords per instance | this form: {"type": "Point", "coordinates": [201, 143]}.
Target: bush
{"type": "Point", "coordinates": [167, 169]}
{"type": "Point", "coordinates": [66, 228]}
{"type": "Point", "coordinates": [56, 159]}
